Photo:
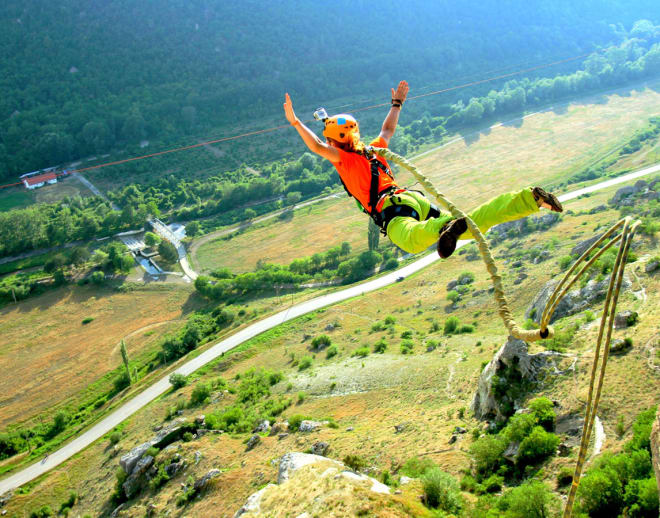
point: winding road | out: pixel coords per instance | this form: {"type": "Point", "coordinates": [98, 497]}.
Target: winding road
{"type": "Point", "coordinates": [132, 406]}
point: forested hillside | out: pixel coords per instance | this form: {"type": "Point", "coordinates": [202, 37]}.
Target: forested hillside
{"type": "Point", "coordinates": [83, 78]}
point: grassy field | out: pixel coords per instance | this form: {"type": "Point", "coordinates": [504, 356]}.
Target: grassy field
{"type": "Point", "coordinates": [15, 198]}
{"type": "Point", "coordinates": [540, 149]}
{"type": "Point", "coordinates": [46, 345]}
{"type": "Point", "coordinates": [424, 390]}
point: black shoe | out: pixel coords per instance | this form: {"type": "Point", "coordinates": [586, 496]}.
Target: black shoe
{"type": "Point", "coordinates": [449, 234]}
{"type": "Point", "coordinates": [542, 196]}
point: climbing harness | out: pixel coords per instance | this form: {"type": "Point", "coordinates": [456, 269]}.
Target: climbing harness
{"type": "Point", "coordinates": [377, 168]}
{"type": "Point", "coordinates": [626, 230]}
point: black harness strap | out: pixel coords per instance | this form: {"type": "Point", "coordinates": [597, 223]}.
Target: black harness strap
{"type": "Point", "coordinates": [393, 211]}
{"type": "Point", "coordinates": [383, 218]}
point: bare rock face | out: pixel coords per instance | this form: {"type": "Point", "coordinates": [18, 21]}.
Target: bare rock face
{"type": "Point", "coordinates": [574, 301]}
{"type": "Point", "coordinates": [310, 485]}
{"type": "Point", "coordinates": [253, 441]}
{"type": "Point", "coordinates": [655, 447]}
{"type": "Point", "coordinates": [512, 367]}
{"type": "Point", "coordinates": [203, 482]}
{"type": "Point", "coordinates": [164, 437]}
{"type": "Point", "coordinates": [292, 462]}
{"type": "Point", "coordinates": [310, 426]}
{"type": "Point", "coordinates": [134, 482]}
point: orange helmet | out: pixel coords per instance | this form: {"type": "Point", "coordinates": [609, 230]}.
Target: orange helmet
{"type": "Point", "coordinates": [342, 128]}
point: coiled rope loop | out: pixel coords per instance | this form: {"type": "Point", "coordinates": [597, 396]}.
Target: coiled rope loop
{"type": "Point", "coordinates": [606, 323]}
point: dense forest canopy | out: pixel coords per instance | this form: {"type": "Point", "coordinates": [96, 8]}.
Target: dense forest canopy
{"type": "Point", "coordinates": [82, 78]}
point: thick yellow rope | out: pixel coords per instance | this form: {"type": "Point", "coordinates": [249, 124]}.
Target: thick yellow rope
{"type": "Point", "coordinates": [502, 304]}
{"type": "Point", "coordinates": [607, 320]}
{"type": "Point", "coordinates": [616, 279]}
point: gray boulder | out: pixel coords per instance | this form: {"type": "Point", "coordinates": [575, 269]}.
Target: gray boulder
{"type": "Point", "coordinates": [544, 255]}
{"type": "Point", "coordinates": [310, 426]}
{"type": "Point", "coordinates": [622, 319]}
{"type": "Point", "coordinates": [574, 301]}
{"type": "Point", "coordinates": [291, 462]}
{"type": "Point", "coordinates": [641, 185]}
{"type": "Point", "coordinates": [599, 208]}
{"type": "Point", "coordinates": [452, 284]}
{"type": "Point", "coordinates": [563, 450]}
{"type": "Point", "coordinates": [583, 246]}
{"type": "Point", "coordinates": [622, 193]}
{"type": "Point", "coordinates": [203, 482]}
{"type": "Point", "coordinates": [173, 468]}
{"type": "Point", "coordinates": [263, 426]}
{"type": "Point", "coordinates": [512, 356]}
{"type": "Point", "coordinates": [547, 220]}
{"type": "Point", "coordinates": [130, 460]}
{"type": "Point", "coordinates": [570, 426]}
{"type": "Point", "coordinates": [169, 434]}
{"type": "Point", "coordinates": [511, 451]}
{"type": "Point", "coordinates": [163, 438]}
{"type": "Point", "coordinates": [398, 428]}
{"type": "Point", "coordinates": [252, 442]}
{"type": "Point", "coordinates": [134, 482]}
{"type": "Point", "coordinates": [320, 448]}
{"type": "Point", "coordinates": [619, 346]}
{"type": "Point", "coordinates": [652, 266]}
{"type": "Point", "coordinates": [5, 497]}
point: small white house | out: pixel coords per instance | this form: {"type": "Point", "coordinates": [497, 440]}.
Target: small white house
{"type": "Point", "coordinates": [39, 180]}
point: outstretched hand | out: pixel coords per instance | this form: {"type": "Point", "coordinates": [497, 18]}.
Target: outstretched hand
{"type": "Point", "coordinates": [288, 110]}
{"type": "Point", "coordinates": [401, 91]}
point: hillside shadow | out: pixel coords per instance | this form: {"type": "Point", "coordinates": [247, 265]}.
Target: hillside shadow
{"type": "Point", "coordinates": [517, 122]}
{"type": "Point", "coordinates": [194, 302]}
{"type": "Point", "coordinates": [46, 299]}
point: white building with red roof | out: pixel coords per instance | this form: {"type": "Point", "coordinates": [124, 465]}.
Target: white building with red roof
{"type": "Point", "coordinates": [38, 179]}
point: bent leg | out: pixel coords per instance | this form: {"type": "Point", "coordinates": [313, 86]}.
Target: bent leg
{"type": "Point", "coordinates": [415, 236]}
{"type": "Point", "coordinates": [505, 207]}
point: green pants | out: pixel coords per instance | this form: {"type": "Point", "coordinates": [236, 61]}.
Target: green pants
{"type": "Point", "coordinates": [415, 236]}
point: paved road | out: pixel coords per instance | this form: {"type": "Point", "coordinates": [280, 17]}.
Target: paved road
{"type": "Point", "coordinates": [163, 230]}
{"type": "Point", "coordinates": [158, 388]}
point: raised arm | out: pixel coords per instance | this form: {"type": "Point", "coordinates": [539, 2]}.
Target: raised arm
{"type": "Point", "coordinates": [390, 122]}
{"type": "Point", "coordinates": [315, 144]}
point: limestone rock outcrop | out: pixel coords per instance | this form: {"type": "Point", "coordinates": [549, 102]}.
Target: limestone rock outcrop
{"type": "Point", "coordinates": [512, 367]}
{"type": "Point", "coordinates": [574, 301]}
{"type": "Point", "coordinates": [311, 484]}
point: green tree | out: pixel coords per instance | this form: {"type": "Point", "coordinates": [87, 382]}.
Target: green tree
{"type": "Point", "coordinates": [167, 252]}
{"type": "Point", "coordinates": [124, 357]}
{"type": "Point", "coordinates": [192, 228]}
{"type": "Point", "coordinates": [373, 235]}
{"type": "Point", "coordinates": [532, 499]}
{"type": "Point", "coordinates": [151, 239]}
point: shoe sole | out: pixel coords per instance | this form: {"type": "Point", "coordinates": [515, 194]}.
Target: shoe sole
{"type": "Point", "coordinates": [449, 235]}
{"type": "Point", "coordinates": [550, 199]}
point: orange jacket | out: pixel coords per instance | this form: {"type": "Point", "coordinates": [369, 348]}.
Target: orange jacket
{"type": "Point", "coordinates": [355, 171]}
